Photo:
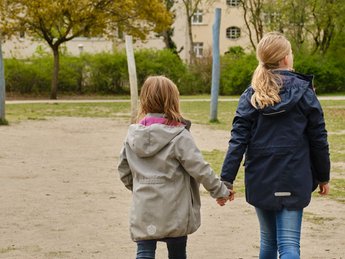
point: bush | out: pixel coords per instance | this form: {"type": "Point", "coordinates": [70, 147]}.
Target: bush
{"type": "Point", "coordinates": [27, 76]}
{"type": "Point", "coordinates": [199, 79]}
{"type": "Point", "coordinates": [160, 62]}
{"type": "Point", "coordinates": [70, 74]}
{"type": "Point", "coordinates": [328, 71]}
{"type": "Point", "coordinates": [33, 76]}
{"type": "Point", "coordinates": [105, 73]}
{"type": "Point", "coordinates": [236, 72]}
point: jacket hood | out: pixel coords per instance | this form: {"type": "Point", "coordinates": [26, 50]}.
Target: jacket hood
{"type": "Point", "coordinates": [147, 141]}
{"type": "Point", "coordinates": [294, 87]}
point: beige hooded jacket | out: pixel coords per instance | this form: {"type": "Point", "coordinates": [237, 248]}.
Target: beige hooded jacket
{"type": "Point", "coordinates": [162, 166]}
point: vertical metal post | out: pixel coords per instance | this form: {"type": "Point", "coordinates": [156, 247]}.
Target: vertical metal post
{"type": "Point", "coordinates": [2, 87]}
{"type": "Point", "coordinates": [215, 65]}
{"type": "Point", "coordinates": [132, 78]}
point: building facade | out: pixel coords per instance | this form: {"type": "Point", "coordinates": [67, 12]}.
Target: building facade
{"type": "Point", "coordinates": [233, 32]}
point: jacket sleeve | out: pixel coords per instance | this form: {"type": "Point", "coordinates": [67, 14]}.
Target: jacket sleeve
{"type": "Point", "coordinates": [124, 170]}
{"type": "Point", "coordinates": [240, 135]}
{"type": "Point", "coordinates": [194, 164]}
{"type": "Point", "coordinates": [317, 135]}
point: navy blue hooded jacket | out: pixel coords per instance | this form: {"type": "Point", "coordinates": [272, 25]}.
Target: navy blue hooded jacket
{"type": "Point", "coordinates": [285, 146]}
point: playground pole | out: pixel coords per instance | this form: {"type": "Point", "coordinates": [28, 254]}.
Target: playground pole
{"type": "Point", "coordinates": [132, 78]}
{"type": "Point", "coordinates": [215, 66]}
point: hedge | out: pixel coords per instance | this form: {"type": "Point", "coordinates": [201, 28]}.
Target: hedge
{"type": "Point", "coordinates": [107, 73]}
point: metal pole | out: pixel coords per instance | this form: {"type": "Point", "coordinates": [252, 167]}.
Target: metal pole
{"type": "Point", "coordinates": [132, 78]}
{"type": "Point", "coordinates": [2, 87]}
{"type": "Point", "coordinates": [215, 65]}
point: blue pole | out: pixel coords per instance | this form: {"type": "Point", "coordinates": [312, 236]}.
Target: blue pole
{"type": "Point", "coordinates": [2, 88]}
{"type": "Point", "coordinates": [215, 65]}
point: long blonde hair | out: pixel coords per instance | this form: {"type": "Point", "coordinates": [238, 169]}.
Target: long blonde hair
{"type": "Point", "coordinates": [160, 95]}
{"type": "Point", "coordinates": [272, 48]}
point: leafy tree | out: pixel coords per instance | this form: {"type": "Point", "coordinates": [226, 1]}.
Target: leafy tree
{"type": "Point", "coordinates": [57, 22]}
{"type": "Point", "coordinates": [309, 24]}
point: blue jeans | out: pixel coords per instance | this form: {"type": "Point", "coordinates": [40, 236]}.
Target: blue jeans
{"type": "Point", "coordinates": [176, 248]}
{"type": "Point", "coordinates": [280, 231]}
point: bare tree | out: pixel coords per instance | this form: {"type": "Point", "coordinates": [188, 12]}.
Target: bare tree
{"type": "Point", "coordinates": [253, 13]}
{"type": "Point", "coordinates": [324, 24]}
{"type": "Point", "coordinates": [190, 8]}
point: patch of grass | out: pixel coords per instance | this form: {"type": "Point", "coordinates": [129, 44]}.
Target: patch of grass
{"type": "Point", "coordinates": [337, 147]}
{"type": "Point", "coordinates": [41, 111]}
{"type": "Point", "coordinates": [337, 190]}
{"type": "Point", "coordinates": [199, 112]}
{"type": "Point", "coordinates": [7, 249]}
{"type": "Point", "coordinates": [315, 219]}
{"type": "Point", "coordinates": [60, 254]}
{"type": "Point", "coordinates": [3, 122]}
{"type": "Point", "coordinates": [335, 118]}
{"type": "Point", "coordinates": [339, 168]}
{"type": "Point", "coordinates": [216, 158]}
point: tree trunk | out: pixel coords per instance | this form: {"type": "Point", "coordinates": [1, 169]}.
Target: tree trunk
{"type": "Point", "coordinates": [55, 78]}
{"type": "Point", "coordinates": [245, 11]}
{"type": "Point", "coordinates": [191, 42]}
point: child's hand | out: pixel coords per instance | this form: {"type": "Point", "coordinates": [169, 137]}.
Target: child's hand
{"type": "Point", "coordinates": [221, 201]}
{"type": "Point", "coordinates": [324, 188]}
{"type": "Point", "coordinates": [232, 195]}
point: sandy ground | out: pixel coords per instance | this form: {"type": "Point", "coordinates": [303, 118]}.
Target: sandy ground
{"type": "Point", "coordinates": [60, 197]}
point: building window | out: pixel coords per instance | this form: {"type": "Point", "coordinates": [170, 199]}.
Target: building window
{"type": "Point", "coordinates": [233, 3]}
{"type": "Point", "coordinates": [198, 48]}
{"type": "Point", "coordinates": [197, 17]}
{"type": "Point", "coordinates": [233, 32]}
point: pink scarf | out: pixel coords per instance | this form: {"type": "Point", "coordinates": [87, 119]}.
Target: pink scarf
{"type": "Point", "coordinates": [147, 121]}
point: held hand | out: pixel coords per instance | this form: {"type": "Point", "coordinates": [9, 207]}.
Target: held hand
{"type": "Point", "coordinates": [222, 200]}
{"type": "Point", "coordinates": [232, 195]}
{"type": "Point", "coordinates": [324, 188]}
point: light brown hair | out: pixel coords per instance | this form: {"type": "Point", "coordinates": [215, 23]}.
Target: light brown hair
{"type": "Point", "coordinates": [160, 95]}
{"type": "Point", "coordinates": [272, 48]}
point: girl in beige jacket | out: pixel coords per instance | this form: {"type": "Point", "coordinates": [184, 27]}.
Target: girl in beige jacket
{"type": "Point", "coordinates": [163, 167]}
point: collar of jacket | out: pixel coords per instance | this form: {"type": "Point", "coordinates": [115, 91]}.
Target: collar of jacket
{"type": "Point", "coordinates": [294, 86]}
{"type": "Point", "coordinates": [289, 73]}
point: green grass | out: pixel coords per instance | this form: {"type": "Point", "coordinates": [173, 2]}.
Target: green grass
{"type": "Point", "coordinates": [198, 112]}
{"type": "Point", "coordinates": [3, 122]}
{"type": "Point", "coordinates": [8, 249]}
{"type": "Point", "coordinates": [19, 112]}
{"type": "Point", "coordinates": [318, 220]}
{"type": "Point", "coordinates": [338, 190]}
{"type": "Point", "coordinates": [216, 158]}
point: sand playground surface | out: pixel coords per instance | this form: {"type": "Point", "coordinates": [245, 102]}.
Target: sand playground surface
{"type": "Point", "coordinates": [61, 197]}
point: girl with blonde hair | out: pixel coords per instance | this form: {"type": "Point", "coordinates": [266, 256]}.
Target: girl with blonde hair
{"type": "Point", "coordinates": [163, 167]}
{"type": "Point", "coordinates": [279, 125]}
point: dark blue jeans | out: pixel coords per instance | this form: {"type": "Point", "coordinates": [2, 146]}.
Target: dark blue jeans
{"type": "Point", "coordinates": [176, 248]}
{"type": "Point", "coordinates": [280, 231]}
